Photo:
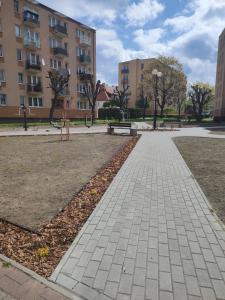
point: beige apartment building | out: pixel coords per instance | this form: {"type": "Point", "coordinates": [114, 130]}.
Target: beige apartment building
{"type": "Point", "coordinates": [219, 105]}
{"type": "Point", "coordinates": [34, 39]}
{"type": "Point", "coordinates": [131, 74]}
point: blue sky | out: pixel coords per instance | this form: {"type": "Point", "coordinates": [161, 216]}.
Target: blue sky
{"type": "Point", "coordinates": [128, 29]}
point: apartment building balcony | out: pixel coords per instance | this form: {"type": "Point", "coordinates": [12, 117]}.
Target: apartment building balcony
{"type": "Point", "coordinates": [34, 88]}
{"type": "Point", "coordinates": [85, 41]}
{"type": "Point", "coordinates": [60, 31]}
{"type": "Point", "coordinates": [32, 44]}
{"type": "Point", "coordinates": [85, 59]}
{"type": "Point", "coordinates": [125, 71]}
{"type": "Point", "coordinates": [65, 92]}
{"type": "Point", "coordinates": [33, 66]}
{"type": "Point", "coordinates": [31, 19]}
{"type": "Point", "coordinates": [60, 52]}
{"type": "Point", "coordinates": [83, 75]}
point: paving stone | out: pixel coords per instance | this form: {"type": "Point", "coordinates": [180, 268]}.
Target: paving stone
{"type": "Point", "coordinates": [165, 281]}
{"type": "Point", "coordinates": [208, 294]}
{"type": "Point", "coordinates": [152, 270]}
{"type": "Point", "coordinates": [138, 293]}
{"type": "Point", "coordinates": [203, 278]}
{"type": "Point", "coordinates": [177, 274]}
{"type": "Point", "coordinates": [192, 285]}
{"type": "Point", "coordinates": [100, 280]}
{"type": "Point", "coordinates": [213, 270]}
{"type": "Point", "coordinates": [219, 288]}
{"type": "Point", "coordinates": [139, 276]}
{"type": "Point", "coordinates": [115, 273]}
{"type": "Point", "coordinates": [179, 291]}
{"type": "Point", "coordinates": [111, 289]}
{"type": "Point", "coordinates": [125, 285]}
{"type": "Point", "coordinates": [152, 289]}
{"type": "Point", "coordinates": [165, 296]}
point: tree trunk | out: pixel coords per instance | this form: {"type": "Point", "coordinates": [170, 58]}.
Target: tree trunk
{"type": "Point", "coordinates": [162, 111]}
{"type": "Point", "coordinates": [93, 114]}
{"type": "Point", "coordinates": [51, 112]}
{"type": "Point", "coordinates": [144, 112]}
{"type": "Point", "coordinates": [179, 111]}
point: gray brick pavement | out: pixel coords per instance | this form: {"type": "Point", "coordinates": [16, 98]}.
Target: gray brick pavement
{"type": "Point", "coordinates": [152, 236]}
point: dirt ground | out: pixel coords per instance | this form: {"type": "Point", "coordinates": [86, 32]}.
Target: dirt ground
{"type": "Point", "coordinates": [40, 175]}
{"type": "Point", "coordinates": [206, 159]}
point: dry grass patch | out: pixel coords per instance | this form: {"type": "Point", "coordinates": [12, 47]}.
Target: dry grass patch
{"type": "Point", "coordinates": [206, 159]}
{"type": "Point", "coordinates": [40, 175]}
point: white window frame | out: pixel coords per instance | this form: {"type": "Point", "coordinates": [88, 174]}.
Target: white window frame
{"type": "Point", "coordinates": [24, 100]}
{"type": "Point", "coordinates": [2, 72]}
{"type": "Point", "coordinates": [1, 51]}
{"type": "Point", "coordinates": [5, 99]}
{"type": "Point", "coordinates": [18, 31]}
{"type": "Point", "coordinates": [35, 100]}
{"type": "Point", "coordinates": [22, 77]}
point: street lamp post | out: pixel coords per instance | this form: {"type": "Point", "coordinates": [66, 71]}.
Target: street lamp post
{"type": "Point", "coordinates": [156, 75]}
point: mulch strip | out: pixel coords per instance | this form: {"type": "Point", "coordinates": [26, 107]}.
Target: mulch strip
{"type": "Point", "coordinates": [42, 252]}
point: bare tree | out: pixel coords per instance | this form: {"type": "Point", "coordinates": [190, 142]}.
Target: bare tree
{"type": "Point", "coordinates": [121, 96]}
{"type": "Point", "coordinates": [200, 95]}
{"type": "Point", "coordinates": [143, 101]}
{"type": "Point", "coordinates": [59, 80]}
{"type": "Point", "coordinates": [91, 91]}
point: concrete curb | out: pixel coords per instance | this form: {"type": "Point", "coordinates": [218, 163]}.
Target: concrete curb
{"type": "Point", "coordinates": [40, 279]}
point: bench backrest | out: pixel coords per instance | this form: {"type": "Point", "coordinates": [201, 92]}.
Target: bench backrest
{"type": "Point", "coordinates": [127, 125]}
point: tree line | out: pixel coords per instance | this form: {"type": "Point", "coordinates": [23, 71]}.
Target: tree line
{"type": "Point", "coordinates": [173, 90]}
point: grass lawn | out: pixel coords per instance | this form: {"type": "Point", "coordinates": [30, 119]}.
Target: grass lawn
{"type": "Point", "coordinates": [40, 175]}
{"type": "Point", "coordinates": [206, 159]}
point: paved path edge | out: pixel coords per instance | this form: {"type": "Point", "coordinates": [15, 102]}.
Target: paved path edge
{"type": "Point", "coordinates": [41, 279]}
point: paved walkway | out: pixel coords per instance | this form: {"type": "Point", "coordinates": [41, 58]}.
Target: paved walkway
{"type": "Point", "coordinates": [51, 131]}
{"type": "Point", "coordinates": [17, 284]}
{"type": "Point", "coordinates": [152, 236]}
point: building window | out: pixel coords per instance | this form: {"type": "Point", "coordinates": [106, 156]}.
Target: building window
{"type": "Point", "coordinates": [17, 31]}
{"type": "Point", "coordinates": [1, 29]}
{"type": "Point", "coordinates": [35, 102]}
{"type": "Point", "coordinates": [1, 51]}
{"type": "Point", "coordinates": [52, 21]}
{"type": "Point", "coordinates": [16, 6]}
{"type": "Point", "coordinates": [78, 32]}
{"type": "Point", "coordinates": [19, 54]}
{"type": "Point", "coordinates": [20, 78]}
{"type": "Point", "coordinates": [2, 76]}
{"type": "Point", "coordinates": [142, 66]}
{"type": "Point", "coordinates": [54, 43]}
{"type": "Point", "coordinates": [2, 99]}
{"type": "Point", "coordinates": [22, 100]}
{"type": "Point", "coordinates": [83, 104]}
{"type": "Point", "coordinates": [55, 64]}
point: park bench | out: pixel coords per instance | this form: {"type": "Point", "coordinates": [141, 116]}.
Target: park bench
{"type": "Point", "coordinates": [172, 124]}
{"type": "Point", "coordinates": [112, 126]}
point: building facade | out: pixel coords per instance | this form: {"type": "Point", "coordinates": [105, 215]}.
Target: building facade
{"type": "Point", "coordinates": [34, 39]}
{"type": "Point", "coordinates": [219, 106]}
{"type": "Point", "coordinates": [131, 74]}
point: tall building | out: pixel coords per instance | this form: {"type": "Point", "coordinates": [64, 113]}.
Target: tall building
{"type": "Point", "coordinates": [131, 74]}
{"type": "Point", "coordinates": [34, 39]}
{"type": "Point", "coordinates": [219, 106]}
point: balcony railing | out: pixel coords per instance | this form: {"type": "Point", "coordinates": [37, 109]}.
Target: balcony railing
{"type": "Point", "coordinates": [84, 74]}
{"type": "Point", "coordinates": [31, 18]}
{"type": "Point", "coordinates": [65, 92]}
{"type": "Point", "coordinates": [60, 51]}
{"type": "Point", "coordinates": [34, 88]}
{"type": "Point", "coordinates": [85, 41]}
{"type": "Point", "coordinates": [86, 59]}
{"type": "Point", "coordinates": [31, 43]}
{"type": "Point", "coordinates": [60, 30]}
{"type": "Point", "coordinates": [125, 71]}
{"type": "Point", "coordinates": [33, 66]}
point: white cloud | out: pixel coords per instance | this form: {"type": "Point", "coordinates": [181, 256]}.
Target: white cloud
{"type": "Point", "coordinates": [99, 10]}
{"type": "Point", "coordinates": [141, 13]}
